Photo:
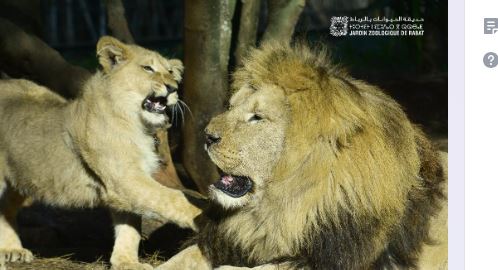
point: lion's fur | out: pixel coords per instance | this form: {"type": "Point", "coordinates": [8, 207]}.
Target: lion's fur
{"type": "Point", "coordinates": [354, 187]}
{"type": "Point", "coordinates": [97, 150]}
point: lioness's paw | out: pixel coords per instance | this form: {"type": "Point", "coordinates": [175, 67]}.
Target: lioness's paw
{"type": "Point", "coordinates": [15, 255]}
{"type": "Point", "coordinates": [132, 266]}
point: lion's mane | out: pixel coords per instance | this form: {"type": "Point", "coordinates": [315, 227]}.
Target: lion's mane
{"type": "Point", "coordinates": [355, 187]}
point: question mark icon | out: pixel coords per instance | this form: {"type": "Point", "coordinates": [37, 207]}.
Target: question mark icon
{"type": "Point", "coordinates": [490, 59]}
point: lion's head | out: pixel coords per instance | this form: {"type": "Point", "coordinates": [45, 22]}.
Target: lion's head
{"type": "Point", "coordinates": [140, 79]}
{"type": "Point", "coordinates": [299, 125]}
{"type": "Point", "coordinates": [246, 141]}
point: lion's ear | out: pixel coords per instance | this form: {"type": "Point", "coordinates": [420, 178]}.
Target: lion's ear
{"type": "Point", "coordinates": [111, 52]}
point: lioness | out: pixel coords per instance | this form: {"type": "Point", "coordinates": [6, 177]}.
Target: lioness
{"type": "Point", "coordinates": [97, 150]}
{"type": "Point", "coordinates": [319, 171]}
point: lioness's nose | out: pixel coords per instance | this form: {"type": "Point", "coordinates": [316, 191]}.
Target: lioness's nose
{"type": "Point", "coordinates": [170, 88]}
{"type": "Point", "coordinates": [212, 139]}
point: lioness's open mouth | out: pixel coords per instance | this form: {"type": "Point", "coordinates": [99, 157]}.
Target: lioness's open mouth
{"type": "Point", "coordinates": [155, 104]}
{"type": "Point", "coordinates": [233, 185]}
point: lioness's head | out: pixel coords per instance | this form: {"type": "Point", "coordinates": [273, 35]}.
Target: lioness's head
{"type": "Point", "coordinates": [297, 124]}
{"type": "Point", "coordinates": [142, 79]}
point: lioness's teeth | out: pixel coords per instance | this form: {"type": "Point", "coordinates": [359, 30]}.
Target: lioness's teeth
{"type": "Point", "coordinates": [226, 179]}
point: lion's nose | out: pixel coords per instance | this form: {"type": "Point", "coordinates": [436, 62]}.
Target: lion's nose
{"type": "Point", "coordinates": [212, 139]}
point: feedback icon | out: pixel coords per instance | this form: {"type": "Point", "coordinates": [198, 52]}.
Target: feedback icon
{"type": "Point", "coordinates": [490, 25]}
{"type": "Point", "coordinates": [490, 59]}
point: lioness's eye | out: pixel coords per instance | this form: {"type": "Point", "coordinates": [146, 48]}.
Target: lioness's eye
{"type": "Point", "coordinates": [148, 69]}
{"type": "Point", "coordinates": [255, 118]}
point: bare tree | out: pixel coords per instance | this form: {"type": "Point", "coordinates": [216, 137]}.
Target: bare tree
{"type": "Point", "coordinates": [248, 30]}
{"type": "Point", "coordinates": [116, 21]}
{"type": "Point", "coordinates": [282, 18]}
{"type": "Point", "coordinates": [25, 55]}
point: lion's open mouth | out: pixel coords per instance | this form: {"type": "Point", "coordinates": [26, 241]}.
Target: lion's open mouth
{"type": "Point", "coordinates": [155, 104]}
{"type": "Point", "coordinates": [233, 185]}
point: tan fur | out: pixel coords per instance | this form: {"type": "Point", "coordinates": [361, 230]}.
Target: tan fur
{"type": "Point", "coordinates": [326, 143]}
{"type": "Point", "coordinates": [97, 150]}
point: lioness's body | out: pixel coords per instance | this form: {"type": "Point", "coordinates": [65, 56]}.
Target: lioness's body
{"type": "Point", "coordinates": [339, 177]}
{"type": "Point", "coordinates": [97, 150]}
{"type": "Point", "coordinates": [37, 148]}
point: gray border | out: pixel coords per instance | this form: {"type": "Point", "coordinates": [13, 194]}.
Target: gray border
{"type": "Point", "coordinates": [456, 133]}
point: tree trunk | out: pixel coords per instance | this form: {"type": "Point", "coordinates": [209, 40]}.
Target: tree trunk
{"type": "Point", "coordinates": [248, 29]}
{"type": "Point", "coordinates": [23, 13]}
{"type": "Point", "coordinates": [282, 18]}
{"type": "Point", "coordinates": [116, 21]}
{"type": "Point", "coordinates": [208, 32]}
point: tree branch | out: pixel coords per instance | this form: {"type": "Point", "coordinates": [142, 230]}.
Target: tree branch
{"type": "Point", "coordinates": [117, 23]}
{"type": "Point", "coordinates": [24, 55]}
{"type": "Point", "coordinates": [248, 29]}
{"type": "Point", "coordinates": [282, 18]}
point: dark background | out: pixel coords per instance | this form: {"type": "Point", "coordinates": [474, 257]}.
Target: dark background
{"type": "Point", "coordinates": [412, 69]}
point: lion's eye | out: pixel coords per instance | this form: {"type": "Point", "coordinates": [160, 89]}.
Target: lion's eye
{"type": "Point", "coordinates": [255, 118]}
{"type": "Point", "coordinates": [148, 69]}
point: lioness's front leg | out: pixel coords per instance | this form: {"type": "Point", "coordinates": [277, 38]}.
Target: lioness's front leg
{"type": "Point", "coordinates": [127, 229]}
{"type": "Point", "coordinates": [144, 196]}
{"type": "Point", "coordinates": [190, 258]}
{"type": "Point", "coordinates": [131, 189]}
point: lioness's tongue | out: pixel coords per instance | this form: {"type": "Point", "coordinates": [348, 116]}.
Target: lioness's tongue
{"type": "Point", "coordinates": [234, 186]}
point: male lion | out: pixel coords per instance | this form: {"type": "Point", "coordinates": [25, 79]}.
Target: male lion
{"type": "Point", "coordinates": [97, 150]}
{"type": "Point", "coordinates": [319, 171]}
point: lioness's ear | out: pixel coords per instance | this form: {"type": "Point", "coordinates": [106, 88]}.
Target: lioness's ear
{"type": "Point", "coordinates": [111, 52]}
{"type": "Point", "coordinates": [176, 69]}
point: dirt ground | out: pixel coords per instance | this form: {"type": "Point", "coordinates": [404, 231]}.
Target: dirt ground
{"type": "Point", "coordinates": [83, 239]}
{"type": "Point", "coordinates": [66, 263]}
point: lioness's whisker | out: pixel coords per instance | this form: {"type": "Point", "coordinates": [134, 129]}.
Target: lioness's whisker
{"type": "Point", "coordinates": [177, 111]}
{"type": "Point", "coordinates": [181, 111]}
{"type": "Point", "coordinates": [173, 113]}
{"type": "Point", "coordinates": [186, 106]}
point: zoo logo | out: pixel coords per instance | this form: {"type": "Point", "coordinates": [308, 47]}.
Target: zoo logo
{"type": "Point", "coordinates": [339, 26]}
